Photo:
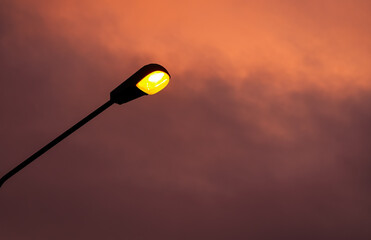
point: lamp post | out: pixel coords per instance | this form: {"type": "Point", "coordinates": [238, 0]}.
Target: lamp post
{"type": "Point", "coordinates": [148, 80]}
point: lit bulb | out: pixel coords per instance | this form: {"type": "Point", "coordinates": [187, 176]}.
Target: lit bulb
{"type": "Point", "coordinates": [153, 82]}
{"type": "Point", "coordinates": [155, 77]}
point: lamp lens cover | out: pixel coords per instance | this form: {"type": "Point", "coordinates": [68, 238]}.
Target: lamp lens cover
{"type": "Point", "coordinates": [153, 82]}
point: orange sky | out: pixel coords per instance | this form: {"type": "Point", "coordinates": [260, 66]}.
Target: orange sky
{"type": "Point", "coordinates": [233, 38]}
{"type": "Point", "coordinates": [263, 132]}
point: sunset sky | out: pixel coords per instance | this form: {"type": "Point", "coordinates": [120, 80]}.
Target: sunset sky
{"type": "Point", "coordinates": [264, 131]}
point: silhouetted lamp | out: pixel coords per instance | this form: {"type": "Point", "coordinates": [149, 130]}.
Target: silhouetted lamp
{"type": "Point", "coordinates": [148, 80]}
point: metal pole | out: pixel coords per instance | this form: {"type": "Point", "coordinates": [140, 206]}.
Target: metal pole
{"type": "Point", "coordinates": [55, 142]}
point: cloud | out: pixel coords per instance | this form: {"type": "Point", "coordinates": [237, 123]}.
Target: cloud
{"type": "Point", "coordinates": [262, 133]}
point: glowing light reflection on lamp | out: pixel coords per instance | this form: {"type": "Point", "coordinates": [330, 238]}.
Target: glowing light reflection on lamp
{"type": "Point", "coordinates": [153, 82]}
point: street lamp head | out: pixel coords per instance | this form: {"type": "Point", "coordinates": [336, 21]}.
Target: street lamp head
{"type": "Point", "coordinates": [148, 80]}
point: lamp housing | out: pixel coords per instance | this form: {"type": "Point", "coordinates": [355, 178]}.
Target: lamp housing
{"type": "Point", "coordinates": [130, 89]}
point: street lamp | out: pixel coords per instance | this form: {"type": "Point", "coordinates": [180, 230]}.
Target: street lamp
{"type": "Point", "coordinates": [148, 80]}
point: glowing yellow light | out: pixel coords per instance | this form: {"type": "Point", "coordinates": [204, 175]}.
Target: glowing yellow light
{"type": "Point", "coordinates": [154, 82]}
